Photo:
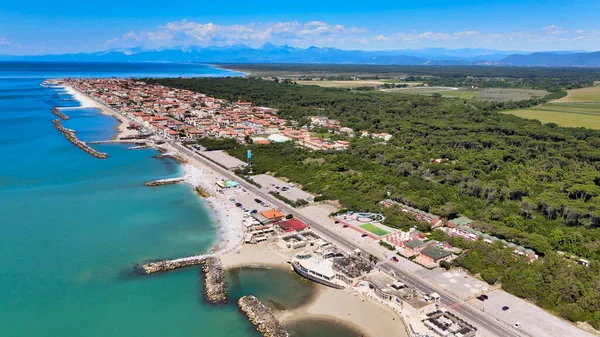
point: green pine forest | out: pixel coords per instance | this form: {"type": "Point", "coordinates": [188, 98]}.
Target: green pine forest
{"type": "Point", "coordinates": [532, 184]}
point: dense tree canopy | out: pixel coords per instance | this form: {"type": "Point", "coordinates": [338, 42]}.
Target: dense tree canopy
{"type": "Point", "coordinates": [532, 184]}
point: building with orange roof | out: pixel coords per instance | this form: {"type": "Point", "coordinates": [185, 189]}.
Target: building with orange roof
{"type": "Point", "coordinates": [273, 215]}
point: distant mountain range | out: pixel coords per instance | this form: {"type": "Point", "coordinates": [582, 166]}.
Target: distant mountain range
{"type": "Point", "coordinates": [270, 53]}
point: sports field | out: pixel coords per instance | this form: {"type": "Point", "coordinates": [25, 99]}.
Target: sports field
{"type": "Point", "coordinates": [580, 108]}
{"type": "Point", "coordinates": [374, 229]}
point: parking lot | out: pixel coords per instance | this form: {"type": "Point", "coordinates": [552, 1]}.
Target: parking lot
{"type": "Point", "coordinates": [534, 320]}
{"type": "Point", "coordinates": [456, 282]}
{"type": "Point", "coordinates": [272, 184]}
{"type": "Point", "coordinates": [223, 158]}
{"type": "Point", "coordinates": [246, 199]}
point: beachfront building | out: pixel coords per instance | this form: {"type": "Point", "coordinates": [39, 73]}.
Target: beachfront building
{"type": "Point", "coordinates": [432, 255]}
{"type": "Point", "coordinates": [292, 225]}
{"type": "Point", "coordinates": [397, 294]}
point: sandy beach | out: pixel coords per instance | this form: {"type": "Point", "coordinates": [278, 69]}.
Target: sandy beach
{"type": "Point", "coordinates": [88, 102]}
{"type": "Point", "coordinates": [346, 307]}
{"type": "Point", "coordinates": [228, 217]}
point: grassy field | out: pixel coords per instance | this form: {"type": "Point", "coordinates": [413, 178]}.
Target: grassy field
{"type": "Point", "coordinates": [503, 95]}
{"type": "Point", "coordinates": [487, 94]}
{"type": "Point", "coordinates": [580, 108]}
{"type": "Point", "coordinates": [374, 229]}
{"type": "Point", "coordinates": [343, 84]}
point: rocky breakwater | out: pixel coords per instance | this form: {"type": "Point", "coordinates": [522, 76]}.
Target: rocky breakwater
{"type": "Point", "coordinates": [261, 316]}
{"type": "Point", "coordinates": [161, 182]}
{"type": "Point", "coordinates": [59, 114]}
{"type": "Point", "coordinates": [214, 281]}
{"type": "Point", "coordinates": [70, 135]}
{"type": "Point", "coordinates": [166, 265]}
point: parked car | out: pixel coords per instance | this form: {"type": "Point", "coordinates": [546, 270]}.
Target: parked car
{"type": "Point", "coordinates": [345, 226]}
{"type": "Point", "coordinates": [395, 259]}
{"type": "Point", "coordinates": [253, 211]}
{"type": "Point", "coordinates": [258, 200]}
{"type": "Point", "coordinates": [364, 236]}
{"type": "Point", "coordinates": [481, 298]}
{"type": "Point", "coordinates": [517, 325]}
{"type": "Point", "coordinates": [237, 204]}
{"type": "Point", "coordinates": [504, 308]}
{"type": "Point", "coordinates": [485, 296]}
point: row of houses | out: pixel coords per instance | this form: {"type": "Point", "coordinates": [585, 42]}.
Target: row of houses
{"type": "Point", "coordinates": [458, 227]}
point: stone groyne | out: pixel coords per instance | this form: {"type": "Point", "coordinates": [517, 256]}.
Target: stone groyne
{"type": "Point", "coordinates": [261, 316]}
{"type": "Point", "coordinates": [59, 114]}
{"type": "Point", "coordinates": [70, 135]}
{"type": "Point", "coordinates": [161, 182]}
{"type": "Point", "coordinates": [214, 281]}
{"type": "Point", "coordinates": [166, 265]}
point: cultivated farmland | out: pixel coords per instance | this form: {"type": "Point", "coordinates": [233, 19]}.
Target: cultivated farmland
{"type": "Point", "coordinates": [485, 94]}
{"type": "Point", "coordinates": [580, 108]}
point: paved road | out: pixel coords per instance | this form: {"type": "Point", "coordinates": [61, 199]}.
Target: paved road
{"type": "Point", "coordinates": [473, 315]}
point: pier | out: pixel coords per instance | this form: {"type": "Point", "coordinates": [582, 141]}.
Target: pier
{"type": "Point", "coordinates": [261, 316]}
{"type": "Point", "coordinates": [214, 281]}
{"type": "Point", "coordinates": [161, 182]}
{"type": "Point", "coordinates": [59, 114]}
{"type": "Point", "coordinates": [70, 135]}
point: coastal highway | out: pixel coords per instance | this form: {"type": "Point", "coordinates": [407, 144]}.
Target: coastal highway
{"type": "Point", "coordinates": [473, 315]}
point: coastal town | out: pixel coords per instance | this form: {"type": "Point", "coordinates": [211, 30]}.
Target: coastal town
{"type": "Point", "coordinates": [182, 115]}
{"type": "Point", "coordinates": [355, 253]}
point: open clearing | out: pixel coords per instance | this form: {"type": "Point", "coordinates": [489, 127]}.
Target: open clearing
{"type": "Point", "coordinates": [374, 229]}
{"type": "Point", "coordinates": [354, 84]}
{"type": "Point", "coordinates": [580, 108]}
{"type": "Point", "coordinates": [343, 84]}
{"type": "Point", "coordinates": [503, 95]}
{"type": "Point", "coordinates": [486, 94]}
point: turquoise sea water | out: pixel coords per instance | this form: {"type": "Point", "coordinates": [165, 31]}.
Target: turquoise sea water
{"type": "Point", "coordinates": [73, 226]}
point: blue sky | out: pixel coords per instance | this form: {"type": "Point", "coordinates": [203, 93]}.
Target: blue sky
{"type": "Point", "coordinates": [69, 26]}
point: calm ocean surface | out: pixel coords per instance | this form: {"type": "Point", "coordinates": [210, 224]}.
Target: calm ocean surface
{"type": "Point", "coordinates": [72, 226]}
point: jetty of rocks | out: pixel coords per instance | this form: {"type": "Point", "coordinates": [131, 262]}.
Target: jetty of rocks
{"type": "Point", "coordinates": [166, 265]}
{"type": "Point", "coordinates": [161, 182]}
{"type": "Point", "coordinates": [214, 281]}
{"type": "Point", "coordinates": [261, 316]}
{"type": "Point", "coordinates": [70, 135]}
{"type": "Point", "coordinates": [59, 114]}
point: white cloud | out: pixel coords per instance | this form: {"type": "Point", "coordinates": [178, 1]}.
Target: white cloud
{"type": "Point", "coordinates": [5, 42]}
{"type": "Point", "coordinates": [555, 30]}
{"type": "Point", "coordinates": [298, 34]}
{"type": "Point", "coordinates": [193, 33]}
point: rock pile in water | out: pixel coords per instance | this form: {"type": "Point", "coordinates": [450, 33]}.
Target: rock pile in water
{"type": "Point", "coordinates": [261, 316]}
{"type": "Point", "coordinates": [59, 114]}
{"type": "Point", "coordinates": [70, 135]}
{"type": "Point", "coordinates": [214, 281]}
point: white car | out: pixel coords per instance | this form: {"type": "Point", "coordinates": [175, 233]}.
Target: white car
{"type": "Point", "coordinates": [517, 325]}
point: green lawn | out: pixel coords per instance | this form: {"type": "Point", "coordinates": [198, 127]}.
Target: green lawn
{"type": "Point", "coordinates": [374, 229]}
